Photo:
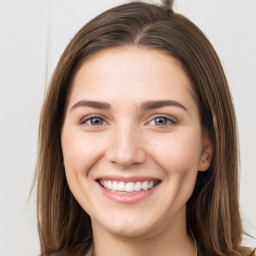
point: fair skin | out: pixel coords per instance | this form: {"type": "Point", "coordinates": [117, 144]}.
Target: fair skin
{"type": "Point", "coordinates": [132, 120]}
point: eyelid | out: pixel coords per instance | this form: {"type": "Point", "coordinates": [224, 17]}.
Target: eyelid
{"type": "Point", "coordinates": [173, 120]}
{"type": "Point", "coordinates": [90, 116]}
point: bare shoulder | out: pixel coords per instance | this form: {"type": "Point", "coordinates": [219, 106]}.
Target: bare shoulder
{"type": "Point", "coordinates": [248, 251]}
{"type": "Point", "coordinates": [253, 252]}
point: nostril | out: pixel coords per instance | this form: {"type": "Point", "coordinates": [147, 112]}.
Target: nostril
{"type": "Point", "coordinates": [125, 146]}
{"type": "Point", "coordinates": [126, 156]}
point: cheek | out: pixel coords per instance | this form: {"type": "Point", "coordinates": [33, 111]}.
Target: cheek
{"type": "Point", "coordinates": [80, 152]}
{"type": "Point", "coordinates": [179, 153]}
{"type": "Point", "coordinates": [180, 160]}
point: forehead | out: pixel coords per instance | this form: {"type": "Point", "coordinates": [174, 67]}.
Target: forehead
{"type": "Point", "coordinates": [130, 71]}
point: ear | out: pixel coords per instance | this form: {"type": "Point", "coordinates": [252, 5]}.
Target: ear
{"type": "Point", "coordinates": [207, 153]}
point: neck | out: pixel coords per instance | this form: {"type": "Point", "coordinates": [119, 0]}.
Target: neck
{"type": "Point", "coordinates": [169, 242]}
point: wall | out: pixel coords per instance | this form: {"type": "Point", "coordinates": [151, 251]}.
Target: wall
{"type": "Point", "coordinates": [34, 34]}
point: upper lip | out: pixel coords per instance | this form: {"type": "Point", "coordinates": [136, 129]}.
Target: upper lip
{"type": "Point", "coordinates": [126, 178]}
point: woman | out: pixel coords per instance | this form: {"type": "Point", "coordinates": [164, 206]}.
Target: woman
{"type": "Point", "coordinates": [138, 142]}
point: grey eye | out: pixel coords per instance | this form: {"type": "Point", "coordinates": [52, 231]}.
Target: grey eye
{"type": "Point", "coordinates": [161, 120]}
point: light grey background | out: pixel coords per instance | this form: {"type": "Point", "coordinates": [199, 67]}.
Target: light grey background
{"type": "Point", "coordinates": [33, 34]}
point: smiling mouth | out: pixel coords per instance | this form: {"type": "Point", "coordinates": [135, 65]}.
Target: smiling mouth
{"type": "Point", "coordinates": [128, 187]}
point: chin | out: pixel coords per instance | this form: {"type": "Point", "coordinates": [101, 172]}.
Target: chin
{"type": "Point", "coordinates": [130, 227]}
{"type": "Point", "coordinates": [130, 231]}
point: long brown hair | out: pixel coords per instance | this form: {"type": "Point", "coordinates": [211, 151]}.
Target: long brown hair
{"type": "Point", "coordinates": [213, 210]}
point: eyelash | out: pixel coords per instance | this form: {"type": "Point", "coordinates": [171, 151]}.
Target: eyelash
{"type": "Point", "coordinates": [90, 118]}
{"type": "Point", "coordinates": [169, 121]}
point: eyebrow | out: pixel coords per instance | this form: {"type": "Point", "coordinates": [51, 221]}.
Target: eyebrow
{"type": "Point", "coordinates": [93, 104]}
{"type": "Point", "coordinates": [148, 105]}
{"type": "Point", "coordinates": [161, 103]}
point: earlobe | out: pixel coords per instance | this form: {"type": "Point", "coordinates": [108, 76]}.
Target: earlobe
{"type": "Point", "coordinates": [207, 153]}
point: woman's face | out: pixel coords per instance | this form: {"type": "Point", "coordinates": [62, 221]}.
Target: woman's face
{"type": "Point", "coordinates": [132, 141]}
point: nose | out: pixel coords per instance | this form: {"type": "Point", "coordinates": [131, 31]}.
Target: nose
{"type": "Point", "coordinates": [126, 147]}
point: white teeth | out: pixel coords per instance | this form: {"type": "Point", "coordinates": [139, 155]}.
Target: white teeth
{"type": "Point", "coordinates": [114, 185]}
{"type": "Point", "coordinates": [108, 184]}
{"type": "Point", "coordinates": [128, 186]}
{"type": "Point", "coordinates": [121, 186]}
{"type": "Point", "coordinates": [144, 185]}
{"type": "Point", "coordinates": [137, 186]}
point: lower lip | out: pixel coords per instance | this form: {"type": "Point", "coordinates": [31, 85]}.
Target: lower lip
{"type": "Point", "coordinates": [129, 198]}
